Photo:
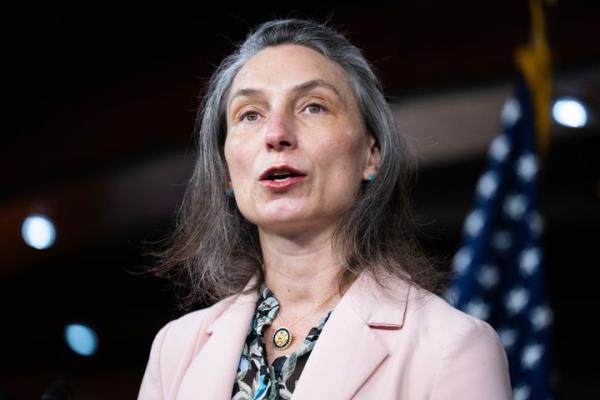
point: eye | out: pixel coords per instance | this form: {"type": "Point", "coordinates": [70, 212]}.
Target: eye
{"type": "Point", "coordinates": [249, 116]}
{"type": "Point", "coordinates": [314, 108]}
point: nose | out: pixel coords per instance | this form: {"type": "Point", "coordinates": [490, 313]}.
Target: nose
{"type": "Point", "coordinates": [280, 133]}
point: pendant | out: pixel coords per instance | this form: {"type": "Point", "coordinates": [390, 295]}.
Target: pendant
{"type": "Point", "coordinates": [282, 338]}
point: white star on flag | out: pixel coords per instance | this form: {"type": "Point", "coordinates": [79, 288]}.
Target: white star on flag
{"type": "Point", "coordinates": [527, 167]}
{"type": "Point", "coordinates": [517, 300]}
{"type": "Point", "coordinates": [521, 393]}
{"type": "Point", "coordinates": [500, 148]}
{"type": "Point", "coordinates": [531, 355]}
{"type": "Point", "coordinates": [507, 337]}
{"type": "Point", "coordinates": [478, 309]}
{"type": "Point", "coordinates": [462, 259]}
{"type": "Point", "coordinates": [511, 111]}
{"type": "Point", "coordinates": [502, 240]}
{"type": "Point", "coordinates": [515, 206]}
{"type": "Point", "coordinates": [474, 222]}
{"type": "Point", "coordinates": [487, 185]}
{"type": "Point", "coordinates": [541, 317]}
{"type": "Point", "coordinates": [529, 260]}
{"type": "Point", "coordinates": [488, 276]}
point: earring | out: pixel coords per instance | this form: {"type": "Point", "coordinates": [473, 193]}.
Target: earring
{"type": "Point", "coordinates": [229, 192]}
{"type": "Point", "coordinates": [371, 177]}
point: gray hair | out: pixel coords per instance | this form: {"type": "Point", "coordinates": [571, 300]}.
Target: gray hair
{"type": "Point", "coordinates": [214, 250]}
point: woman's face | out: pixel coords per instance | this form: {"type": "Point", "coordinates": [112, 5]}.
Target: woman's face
{"type": "Point", "coordinates": [296, 147]}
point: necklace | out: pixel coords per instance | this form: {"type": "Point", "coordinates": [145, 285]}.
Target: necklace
{"type": "Point", "coordinates": [282, 337]}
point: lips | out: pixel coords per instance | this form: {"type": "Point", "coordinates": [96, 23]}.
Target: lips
{"type": "Point", "coordinates": [280, 172]}
{"type": "Point", "coordinates": [281, 177]}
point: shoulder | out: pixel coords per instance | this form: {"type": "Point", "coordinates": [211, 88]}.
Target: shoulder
{"type": "Point", "coordinates": [432, 311]}
{"type": "Point", "coordinates": [399, 302]}
{"type": "Point", "coordinates": [434, 350]}
{"type": "Point", "coordinates": [466, 351]}
{"type": "Point", "coordinates": [175, 346]}
{"type": "Point", "coordinates": [417, 314]}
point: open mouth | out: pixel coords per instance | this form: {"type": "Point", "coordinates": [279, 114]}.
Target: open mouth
{"type": "Point", "coordinates": [281, 178]}
{"type": "Point", "coordinates": [280, 174]}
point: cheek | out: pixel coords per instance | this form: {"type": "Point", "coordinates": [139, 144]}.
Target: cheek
{"type": "Point", "coordinates": [345, 156]}
{"type": "Point", "coordinates": [235, 159]}
{"type": "Point", "coordinates": [343, 167]}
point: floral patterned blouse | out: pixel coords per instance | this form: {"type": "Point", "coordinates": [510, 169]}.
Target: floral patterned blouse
{"type": "Point", "coordinates": [256, 379]}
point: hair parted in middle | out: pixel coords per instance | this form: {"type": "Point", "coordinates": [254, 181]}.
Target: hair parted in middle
{"type": "Point", "coordinates": [214, 250]}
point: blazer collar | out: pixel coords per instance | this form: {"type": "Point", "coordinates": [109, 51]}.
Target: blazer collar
{"type": "Point", "coordinates": [240, 303]}
{"type": "Point", "coordinates": [212, 372]}
{"type": "Point", "coordinates": [377, 306]}
{"type": "Point", "coordinates": [349, 348]}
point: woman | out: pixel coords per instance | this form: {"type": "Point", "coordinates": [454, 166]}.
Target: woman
{"type": "Point", "coordinates": [295, 221]}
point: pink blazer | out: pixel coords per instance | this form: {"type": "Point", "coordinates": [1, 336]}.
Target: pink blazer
{"type": "Point", "coordinates": [411, 345]}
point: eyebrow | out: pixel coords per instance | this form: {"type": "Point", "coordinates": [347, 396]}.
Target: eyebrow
{"type": "Point", "coordinates": [297, 90]}
{"type": "Point", "coordinates": [313, 84]}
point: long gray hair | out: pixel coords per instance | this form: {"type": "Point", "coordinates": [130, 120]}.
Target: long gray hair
{"type": "Point", "coordinates": [214, 250]}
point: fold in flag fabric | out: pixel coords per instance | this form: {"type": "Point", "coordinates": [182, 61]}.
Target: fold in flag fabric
{"type": "Point", "coordinates": [498, 271]}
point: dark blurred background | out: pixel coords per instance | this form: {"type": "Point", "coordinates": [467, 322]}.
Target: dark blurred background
{"type": "Point", "coordinates": [96, 135]}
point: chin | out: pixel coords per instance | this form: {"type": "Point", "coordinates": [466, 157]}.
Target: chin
{"type": "Point", "coordinates": [284, 218]}
{"type": "Point", "coordinates": [281, 222]}
{"type": "Point", "coordinates": [281, 212]}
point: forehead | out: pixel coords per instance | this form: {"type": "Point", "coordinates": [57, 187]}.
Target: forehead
{"type": "Point", "coordinates": [280, 68]}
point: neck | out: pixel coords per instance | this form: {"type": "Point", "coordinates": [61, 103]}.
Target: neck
{"type": "Point", "coordinates": [301, 270]}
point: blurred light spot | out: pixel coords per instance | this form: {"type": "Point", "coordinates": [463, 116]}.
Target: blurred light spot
{"type": "Point", "coordinates": [570, 112]}
{"type": "Point", "coordinates": [81, 339]}
{"type": "Point", "coordinates": [38, 231]}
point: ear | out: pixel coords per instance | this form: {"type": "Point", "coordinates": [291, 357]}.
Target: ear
{"type": "Point", "coordinates": [373, 159]}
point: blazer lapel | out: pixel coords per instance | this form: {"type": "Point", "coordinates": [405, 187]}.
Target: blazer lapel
{"type": "Point", "coordinates": [349, 348]}
{"type": "Point", "coordinates": [213, 370]}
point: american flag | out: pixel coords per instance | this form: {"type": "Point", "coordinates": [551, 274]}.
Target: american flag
{"type": "Point", "coordinates": [498, 271]}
